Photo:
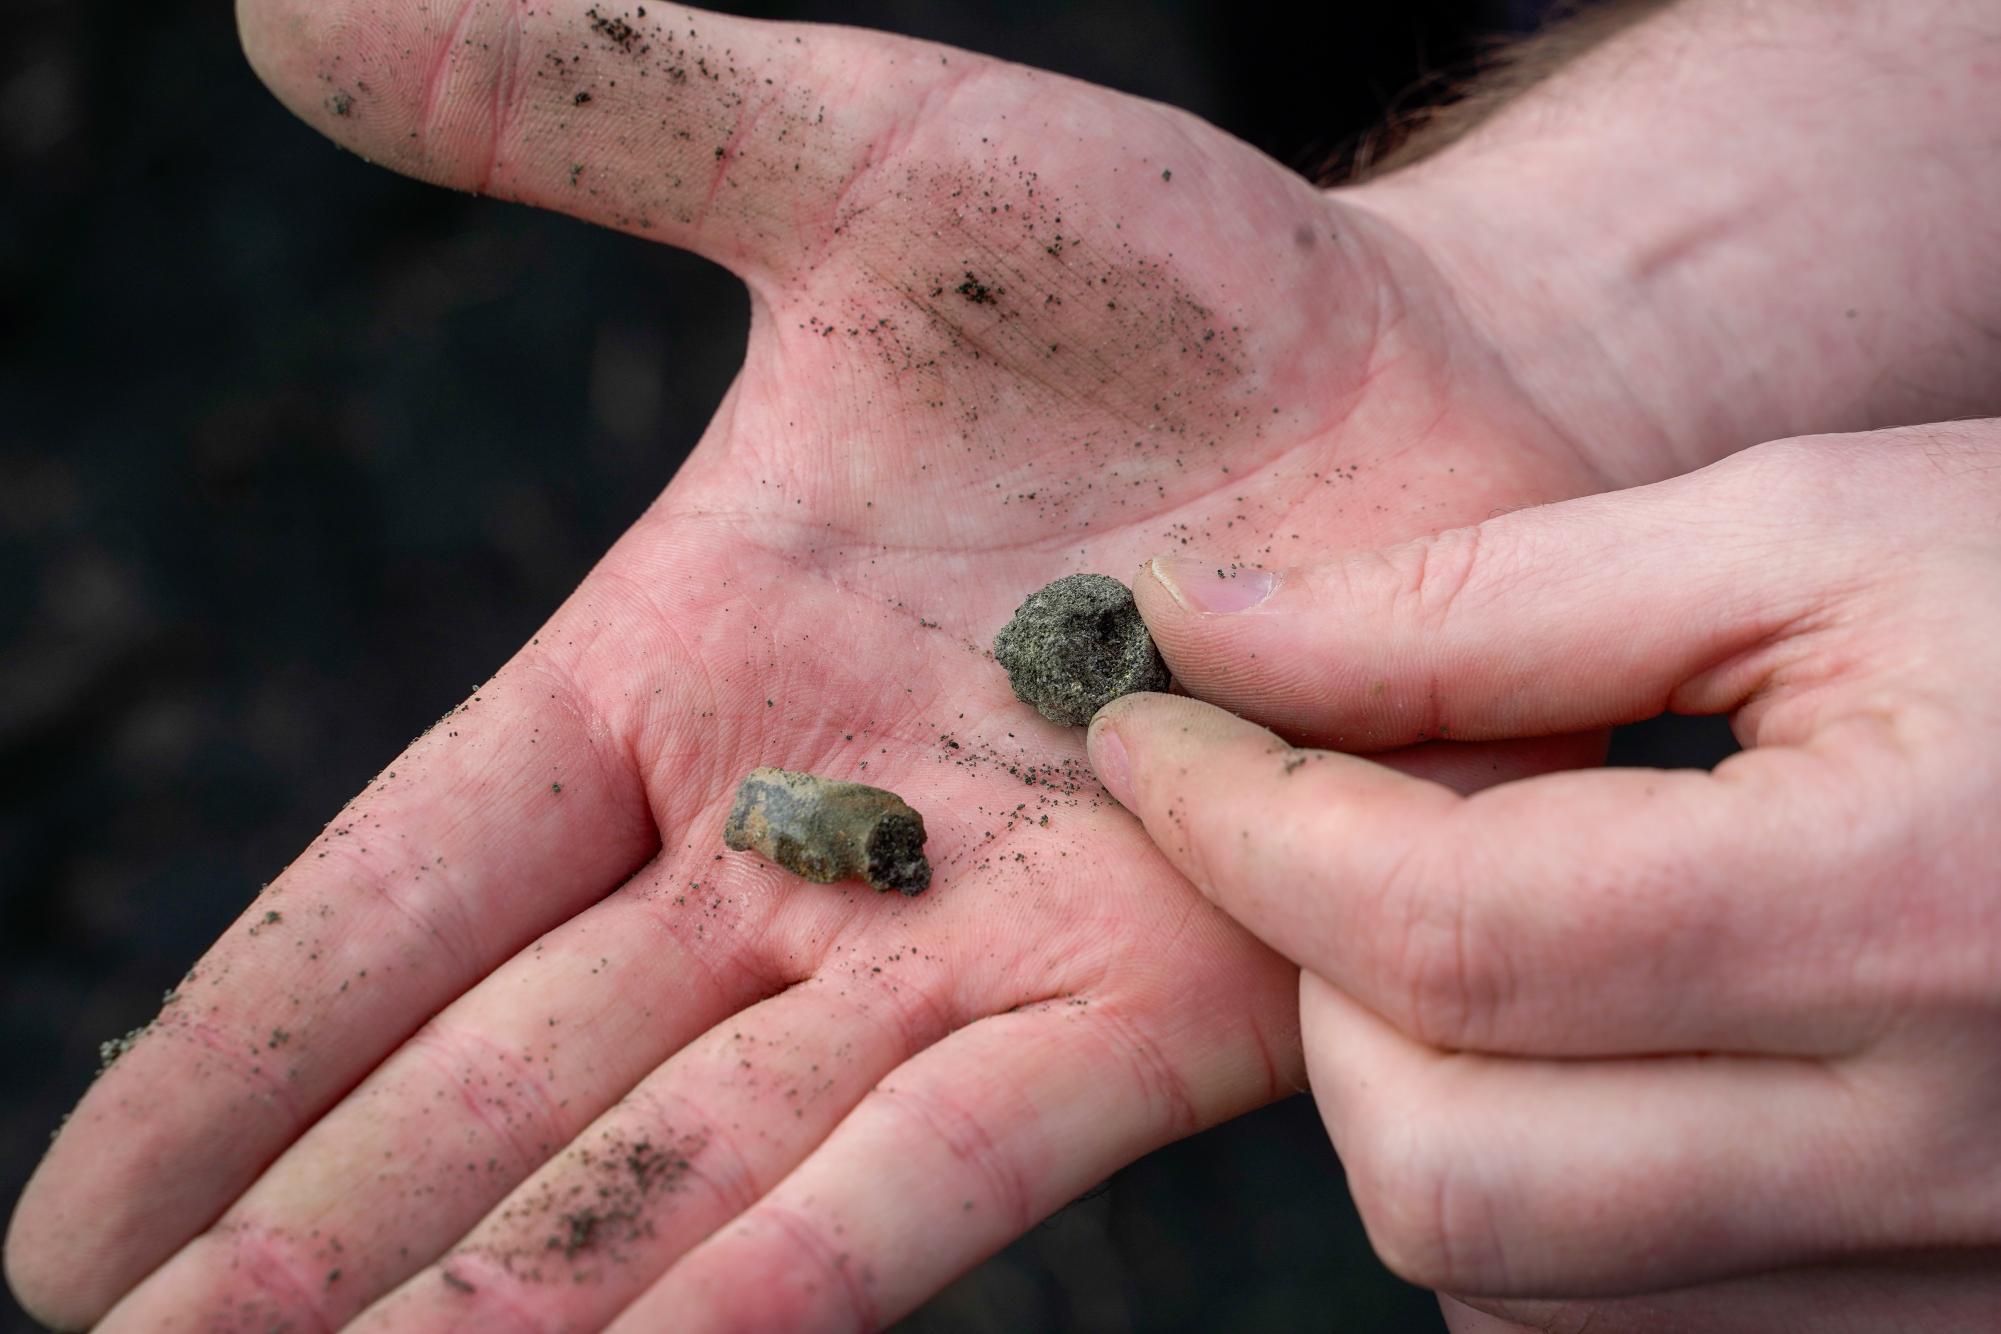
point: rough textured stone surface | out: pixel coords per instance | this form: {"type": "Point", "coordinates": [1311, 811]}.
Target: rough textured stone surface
{"type": "Point", "coordinates": [1077, 645]}
{"type": "Point", "coordinates": [826, 830]}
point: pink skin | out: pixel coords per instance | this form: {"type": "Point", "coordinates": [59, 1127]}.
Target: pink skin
{"type": "Point", "coordinates": [511, 1044]}
{"type": "Point", "coordinates": [1598, 1035]}
{"type": "Point", "coordinates": [1778, 219]}
{"type": "Point", "coordinates": [502, 1055]}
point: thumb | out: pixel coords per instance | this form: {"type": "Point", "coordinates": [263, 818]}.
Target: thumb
{"type": "Point", "coordinates": [1563, 618]}
{"type": "Point", "coordinates": [730, 137]}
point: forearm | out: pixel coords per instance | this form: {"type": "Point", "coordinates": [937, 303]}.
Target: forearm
{"type": "Point", "coordinates": [1736, 220]}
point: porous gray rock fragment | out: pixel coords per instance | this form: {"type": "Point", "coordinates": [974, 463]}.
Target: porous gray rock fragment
{"type": "Point", "coordinates": [1077, 645]}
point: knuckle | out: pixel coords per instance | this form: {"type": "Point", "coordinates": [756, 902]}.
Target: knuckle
{"type": "Point", "coordinates": [265, 1278]}
{"type": "Point", "coordinates": [687, 1141]}
{"type": "Point", "coordinates": [1132, 1048]}
{"type": "Point", "coordinates": [1431, 1221]}
{"type": "Point", "coordinates": [968, 1143]}
{"type": "Point", "coordinates": [1801, 477]}
{"type": "Point", "coordinates": [1429, 577]}
{"type": "Point", "coordinates": [1843, 477]}
{"type": "Point", "coordinates": [812, 1282]}
{"type": "Point", "coordinates": [1443, 979]}
{"type": "Point", "coordinates": [397, 890]}
{"type": "Point", "coordinates": [473, 93]}
{"type": "Point", "coordinates": [499, 1090]}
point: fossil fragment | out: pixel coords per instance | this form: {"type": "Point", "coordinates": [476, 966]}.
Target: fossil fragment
{"type": "Point", "coordinates": [826, 830]}
{"type": "Point", "coordinates": [1077, 645]}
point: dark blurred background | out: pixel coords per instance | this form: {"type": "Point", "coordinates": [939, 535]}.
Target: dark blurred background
{"type": "Point", "coordinates": [293, 452]}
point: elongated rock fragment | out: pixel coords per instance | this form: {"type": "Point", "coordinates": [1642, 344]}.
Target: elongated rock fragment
{"type": "Point", "coordinates": [826, 830]}
{"type": "Point", "coordinates": [1077, 645]}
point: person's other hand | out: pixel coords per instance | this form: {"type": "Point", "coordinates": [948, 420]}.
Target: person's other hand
{"type": "Point", "coordinates": [511, 1044]}
{"type": "Point", "coordinates": [1599, 1034]}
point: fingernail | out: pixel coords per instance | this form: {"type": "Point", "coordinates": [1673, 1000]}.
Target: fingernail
{"type": "Point", "coordinates": [1213, 589]}
{"type": "Point", "coordinates": [1108, 757]}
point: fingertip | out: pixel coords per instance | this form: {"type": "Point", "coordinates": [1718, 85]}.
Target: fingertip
{"type": "Point", "coordinates": [1154, 594]}
{"type": "Point", "coordinates": [1137, 739]}
{"type": "Point", "coordinates": [261, 29]}
{"type": "Point", "coordinates": [354, 79]}
{"type": "Point", "coordinates": [1235, 638]}
{"type": "Point", "coordinates": [1126, 722]}
{"type": "Point", "coordinates": [1107, 753]}
{"type": "Point", "coordinates": [1207, 588]}
{"type": "Point", "coordinates": [35, 1274]}
{"type": "Point", "coordinates": [1159, 608]}
{"type": "Point", "coordinates": [1146, 714]}
{"type": "Point", "coordinates": [1185, 597]}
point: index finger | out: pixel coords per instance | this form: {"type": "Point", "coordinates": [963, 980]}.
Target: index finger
{"type": "Point", "coordinates": [1573, 914]}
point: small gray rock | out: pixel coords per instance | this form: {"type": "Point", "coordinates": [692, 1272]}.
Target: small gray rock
{"type": "Point", "coordinates": [825, 830]}
{"type": "Point", "coordinates": [1076, 646]}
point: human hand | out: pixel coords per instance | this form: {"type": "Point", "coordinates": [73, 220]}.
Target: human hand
{"type": "Point", "coordinates": [1594, 1035]}
{"type": "Point", "coordinates": [508, 1041]}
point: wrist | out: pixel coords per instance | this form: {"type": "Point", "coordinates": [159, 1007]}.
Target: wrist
{"type": "Point", "coordinates": [1733, 223]}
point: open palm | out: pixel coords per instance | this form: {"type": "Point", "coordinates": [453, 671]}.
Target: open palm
{"type": "Point", "coordinates": [514, 1043]}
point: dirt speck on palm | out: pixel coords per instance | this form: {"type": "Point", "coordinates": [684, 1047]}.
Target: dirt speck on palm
{"type": "Point", "coordinates": [1077, 645]}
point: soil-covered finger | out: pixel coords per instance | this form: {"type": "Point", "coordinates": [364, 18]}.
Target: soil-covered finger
{"type": "Point", "coordinates": [727, 136]}
{"type": "Point", "coordinates": [1013, 919]}
{"type": "Point", "coordinates": [466, 1110]}
{"type": "Point", "coordinates": [692, 1146]}
{"type": "Point", "coordinates": [1544, 916]}
{"type": "Point", "coordinates": [504, 818]}
{"type": "Point", "coordinates": [954, 1155]}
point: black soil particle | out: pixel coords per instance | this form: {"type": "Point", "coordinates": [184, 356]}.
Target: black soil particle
{"type": "Point", "coordinates": [1077, 645]}
{"type": "Point", "coordinates": [111, 1049]}
{"type": "Point", "coordinates": [826, 830]}
{"type": "Point", "coordinates": [613, 29]}
{"type": "Point", "coordinates": [977, 292]}
{"type": "Point", "coordinates": [618, 1211]}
